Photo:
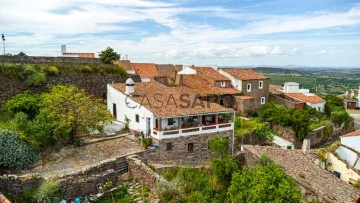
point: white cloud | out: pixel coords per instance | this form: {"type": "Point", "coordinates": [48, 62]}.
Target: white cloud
{"type": "Point", "coordinates": [325, 52]}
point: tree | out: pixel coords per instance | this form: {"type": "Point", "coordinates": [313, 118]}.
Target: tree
{"type": "Point", "coordinates": [74, 110]}
{"type": "Point", "coordinates": [26, 102]}
{"type": "Point", "coordinates": [263, 184]}
{"type": "Point", "coordinates": [109, 55]}
{"type": "Point", "coordinates": [22, 54]}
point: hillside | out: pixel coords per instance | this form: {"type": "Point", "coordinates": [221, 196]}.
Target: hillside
{"type": "Point", "coordinates": [279, 71]}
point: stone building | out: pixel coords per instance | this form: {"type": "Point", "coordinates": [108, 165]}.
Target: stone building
{"type": "Point", "coordinates": [253, 85]}
{"type": "Point", "coordinates": [176, 120]}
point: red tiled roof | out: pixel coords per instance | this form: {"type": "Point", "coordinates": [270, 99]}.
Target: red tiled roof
{"type": "Point", "coordinates": [244, 74]}
{"type": "Point", "coordinates": [306, 97]}
{"type": "Point", "coordinates": [244, 97]}
{"type": "Point", "coordinates": [210, 74]}
{"type": "Point", "coordinates": [200, 86]}
{"type": "Point", "coordinates": [353, 133]}
{"type": "Point", "coordinates": [168, 70]}
{"type": "Point", "coordinates": [171, 105]}
{"type": "Point", "coordinates": [146, 70]}
{"type": "Point", "coordinates": [126, 64]}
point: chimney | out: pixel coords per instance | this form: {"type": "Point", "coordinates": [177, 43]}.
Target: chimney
{"type": "Point", "coordinates": [63, 49]}
{"type": "Point", "coordinates": [179, 79]}
{"type": "Point", "coordinates": [306, 146]}
{"type": "Point", "coordinates": [130, 86]}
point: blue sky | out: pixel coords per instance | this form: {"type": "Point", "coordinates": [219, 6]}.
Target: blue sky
{"type": "Point", "coordinates": [232, 33]}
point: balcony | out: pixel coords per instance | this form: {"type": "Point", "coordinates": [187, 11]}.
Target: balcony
{"type": "Point", "coordinates": [172, 133]}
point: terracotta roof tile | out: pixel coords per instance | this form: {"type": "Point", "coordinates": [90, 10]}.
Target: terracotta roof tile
{"type": "Point", "coordinates": [148, 94]}
{"type": "Point", "coordinates": [126, 64]}
{"type": "Point", "coordinates": [306, 97]}
{"type": "Point", "coordinates": [200, 86]}
{"type": "Point", "coordinates": [168, 70]}
{"type": "Point", "coordinates": [210, 74]}
{"type": "Point", "coordinates": [146, 70]}
{"type": "Point", "coordinates": [244, 74]}
{"type": "Point", "coordinates": [353, 133]}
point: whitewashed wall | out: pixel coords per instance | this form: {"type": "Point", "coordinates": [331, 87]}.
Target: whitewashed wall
{"type": "Point", "coordinates": [114, 96]}
{"type": "Point", "coordinates": [236, 83]}
{"type": "Point", "coordinates": [316, 106]}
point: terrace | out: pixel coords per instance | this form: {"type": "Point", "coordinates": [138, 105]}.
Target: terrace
{"type": "Point", "coordinates": [192, 125]}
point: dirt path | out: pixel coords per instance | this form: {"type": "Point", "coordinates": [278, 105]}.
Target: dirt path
{"type": "Point", "coordinates": [72, 158]}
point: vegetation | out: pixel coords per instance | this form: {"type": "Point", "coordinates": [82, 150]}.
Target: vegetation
{"type": "Point", "coordinates": [109, 55]}
{"type": "Point", "coordinates": [253, 126]}
{"type": "Point", "coordinates": [36, 74]}
{"type": "Point", "coordinates": [48, 192]}
{"type": "Point", "coordinates": [224, 182]}
{"type": "Point", "coordinates": [263, 184]}
{"type": "Point", "coordinates": [40, 120]}
{"type": "Point", "coordinates": [15, 153]}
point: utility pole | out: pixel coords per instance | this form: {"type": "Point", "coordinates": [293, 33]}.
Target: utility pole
{"type": "Point", "coordinates": [3, 38]}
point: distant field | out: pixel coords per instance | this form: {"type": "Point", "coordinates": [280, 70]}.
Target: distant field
{"type": "Point", "coordinates": [305, 82]}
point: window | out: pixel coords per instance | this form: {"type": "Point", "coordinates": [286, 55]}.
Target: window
{"type": "Point", "coordinates": [260, 84]}
{"type": "Point", "coordinates": [137, 119]}
{"type": "Point", "coordinates": [168, 146]}
{"type": "Point", "coordinates": [190, 147]}
{"type": "Point", "coordinates": [262, 100]}
{"type": "Point", "coordinates": [114, 110]}
{"type": "Point", "coordinates": [223, 84]}
{"type": "Point", "coordinates": [248, 87]}
{"type": "Point", "coordinates": [170, 121]}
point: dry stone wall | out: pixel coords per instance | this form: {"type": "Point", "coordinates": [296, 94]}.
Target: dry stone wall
{"type": "Point", "coordinates": [95, 84]}
{"type": "Point", "coordinates": [142, 172]}
{"type": "Point", "coordinates": [50, 60]}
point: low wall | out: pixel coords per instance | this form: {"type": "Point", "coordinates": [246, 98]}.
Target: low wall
{"type": "Point", "coordinates": [50, 60]}
{"type": "Point", "coordinates": [288, 102]}
{"type": "Point", "coordinates": [72, 183]}
{"type": "Point", "coordinates": [142, 172]}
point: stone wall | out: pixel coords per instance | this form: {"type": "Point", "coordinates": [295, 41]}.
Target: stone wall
{"type": "Point", "coordinates": [50, 60]}
{"type": "Point", "coordinates": [95, 84]}
{"type": "Point", "coordinates": [288, 102]}
{"type": "Point", "coordinates": [179, 148]}
{"type": "Point", "coordinates": [71, 183]}
{"type": "Point", "coordinates": [142, 172]}
{"type": "Point", "coordinates": [317, 136]}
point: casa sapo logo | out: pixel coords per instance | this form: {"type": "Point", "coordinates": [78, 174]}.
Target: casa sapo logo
{"type": "Point", "coordinates": [183, 101]}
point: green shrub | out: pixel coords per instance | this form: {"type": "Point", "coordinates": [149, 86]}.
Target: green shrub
{"type": "Point", "coordinates": [28, 71]}
{"type": "Point", "coordinates": [26, 102]}
{"type": "Point", "coordinates": [15, 154]}
{"type": "Point", "coordinates": [78, 142]}
{"type": "Point", "coordinates": [48, 191]}
{"type": "Point", "coordinates": [52, 70]}
{"type": "Point", "coordinates": [36, 79]}
{"type": "Point", "coordinates": [86, 69]}
{"type": "Point", "coordinates": [170, 191]}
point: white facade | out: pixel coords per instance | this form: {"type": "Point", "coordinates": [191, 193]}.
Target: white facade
{"type": "Point", "coordinates": [122, 103]}
{"type": "Point", "coordinates": [282, 143]}
{"type": "Point", "coordinates": [145, 79]}
{"type": "Point", "coordinates": [293, 87]}
{"type": "Point", "coordinates": [236, 83]}
{"type": "Point", "coordinates": [187, 71]}
{"type": "Point", "coordinates": [351, 141]}
{"type": "Point", "coordinates": [319, 106]}
{"type": "Point", "coordinates": [334, 164]}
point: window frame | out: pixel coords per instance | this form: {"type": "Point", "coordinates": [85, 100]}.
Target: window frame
{"type": "Point", "coordinates": [247, 87]}
{"type": "Point", "coordinates": [261, 100]}
{"type": "Point", "coordinates": [223, 84]}
{"type": "Point", "coordinates": [137, 118]}
{"type": "Point", "coordinates": [262, 84]}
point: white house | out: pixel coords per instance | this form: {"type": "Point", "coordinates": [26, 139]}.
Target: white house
{"type": "Point", "coordinates": [147, 71]}
{"type": "Point", "coordinates": [292, 90]}
{"type": "Point", "coordinates": [346, 163]}
{"type": "Point", "coordinates": [178, 122]}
